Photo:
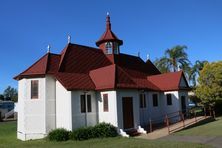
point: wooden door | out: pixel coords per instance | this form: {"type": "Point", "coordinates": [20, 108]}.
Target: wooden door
{"type": "Point", "coordinates": [127, 106]}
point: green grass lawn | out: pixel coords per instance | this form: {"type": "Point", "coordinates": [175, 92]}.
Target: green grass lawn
{"type": "Point", "coordinates": [8, 139]}
{"type": "Point", "coordinates": [212, 128]}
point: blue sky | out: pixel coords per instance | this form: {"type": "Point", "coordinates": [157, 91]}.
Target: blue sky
{"type": "Point", "coordinates": [145, 26]}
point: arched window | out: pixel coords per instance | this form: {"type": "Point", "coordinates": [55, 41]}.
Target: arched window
{"type": "Point", "coordinates": [109, 47]}
{"type": "Point", "coordinates": [115, 48]}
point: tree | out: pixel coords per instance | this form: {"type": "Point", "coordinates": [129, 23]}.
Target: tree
{"type": "Point", "coordinates": [162, 64]}
{"type": "Point", "coordinates": [209, 89]}
{"type": "Point", "coordinates": [2, 97]}
{"type": "Point", "coordinates": [173, 58]}
{"type": "Point", "coordinates": [11, 94]}
{"type": "Point", "coordinates": [194, 72]}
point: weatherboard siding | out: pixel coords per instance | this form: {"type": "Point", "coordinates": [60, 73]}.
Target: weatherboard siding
{"type": "Point", "coordinates": [83, 119]}
{"type": "Point", "coordinates": [31, 111]}
{"type": "Point", "coordinates": [111, 115]}
{"type": "Point", "coordinates": [128, 93]}
{"type": "Point", "coordinates": [63, 107]}
{"type": "Point", "coordinates": [50, 103]}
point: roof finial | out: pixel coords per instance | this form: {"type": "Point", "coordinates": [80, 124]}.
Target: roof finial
{"type": "Point", "coordinates": [69, 39]}
{"type": "Point", "coordinates": [147, 56]}
{"type": "Point", "coordinates": [48, 47]}
{"type": "Point", "coordinates": [108, 24]}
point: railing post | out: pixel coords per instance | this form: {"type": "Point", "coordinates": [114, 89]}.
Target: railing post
{"type": "Point", "coordinates": [214, 114]}
{"type": "Point", "coordinates": [195, 116]}
{"type": "Point", "coordinates": [210, 111]}
{"type": "Point", "coordinates": [180, 113]}
{"type": "Point", "coordinates": [150, 125]}
{"type": "Point", "coordinates": [183, 120]}
{"type": "Point", "coordinates": [168, 125]}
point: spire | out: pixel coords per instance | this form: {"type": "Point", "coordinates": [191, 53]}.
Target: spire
{"type": "Point", "coordinates": [69, 39]}
{"type": "Point", "coordinates": [48, 48]}
{"type": "Point", "coordinates": [108, 24]}
{"type": "Point", "coordinates": [108, 35]}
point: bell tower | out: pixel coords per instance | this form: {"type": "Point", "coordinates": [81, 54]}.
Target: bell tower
{"type": "Point", "coordinates": [109, 42]}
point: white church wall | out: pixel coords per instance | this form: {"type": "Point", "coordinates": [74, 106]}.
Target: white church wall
{"type": "Point", "coordinates": [128, 93]}
{"type": "Point", "coordinates": [183, 82]}
{"type": "Point", "coordinates": [175, 107]}
{"type": "Point", "coordinates": [50, 103]}
{"type": "Point", "coordinates": [31, 112]}
{"type": "Point", "coordinates": [20, 121]}
{"type": "Point", "coordinates": [109, 116]}
{"type": "Point", "coordinates": [155, 112]}
{"type": "Point", "coordinates": [145, 111]}
{"type": "Point", "coordinates": [185, 94]}
{"type": "Point", "coordinates": [83, 119]}
{"type": "Point", "coordinates": [63, 107]}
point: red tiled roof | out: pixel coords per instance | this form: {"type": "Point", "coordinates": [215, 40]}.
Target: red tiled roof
{"type": "Point", "coordinates": [53, 63]}
{"type": "Point", "coordinates": [108, 35]}
{"type": "Point", "coordinates": [104, 78]}
{"type": "Point", "coordinates": [82, 59]}
{"type": "Point", "coordinates": [168, 81]}
{"type": "Point", "coordinates": [38, 68]}
{"type": "Point", "coordinates": [75, 81]}
{"type": "Point", "coordinates": [87, 68]}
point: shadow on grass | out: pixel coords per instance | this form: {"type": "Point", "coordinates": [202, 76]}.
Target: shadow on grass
{"type": "Point", "coordinates": [203, 122]}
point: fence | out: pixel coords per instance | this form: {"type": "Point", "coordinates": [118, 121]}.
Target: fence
{"type": "Point", "coordinates": [178, 117]}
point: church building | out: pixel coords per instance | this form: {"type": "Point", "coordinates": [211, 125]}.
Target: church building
{"type": "Point", "coordinates": [83, 86]}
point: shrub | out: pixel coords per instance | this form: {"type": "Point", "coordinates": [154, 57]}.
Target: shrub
{"type": "Point", "coordinates": [59, 134]}
{"type": "Point", "coordinates": [101, 130]}
{"type": "Point", "coordinates": [104, 130]}
{"type": "Point", "coordinates": [82, 133]}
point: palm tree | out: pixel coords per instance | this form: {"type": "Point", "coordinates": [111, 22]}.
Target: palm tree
{"type": "Point", "coordinates": [195, 71]}
{"type": "Point", "coordinates": [162, 64]}
{"type": "Point", "coordinates": [173, 58]}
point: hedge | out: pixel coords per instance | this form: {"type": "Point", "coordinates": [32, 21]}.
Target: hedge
{"type": "Point", "coordinates": [59, 134]}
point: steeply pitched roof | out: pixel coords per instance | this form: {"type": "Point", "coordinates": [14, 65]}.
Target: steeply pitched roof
{"type": "Point", "coordinates": [168, 81]}
{"type": "Point", "coordinates": [38, 68]}
{"type": "Point", "coordinates": [87, 68]}
{"type": "Point", "coordinates": [108, 35]}
{"type": "Point", "coordinates": [47, 64]}
{"type": "Point", "coordinates": [104, 78]}
{"type": "Point", "coordinates": [81, 59]}
{"type": "Point", "coordinates": [75, 81]}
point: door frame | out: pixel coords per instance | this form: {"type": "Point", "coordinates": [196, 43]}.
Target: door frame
{"type": "Point", "coordinates": [128, 113]}
{"type": "Point", "coordinates": [183, 103]}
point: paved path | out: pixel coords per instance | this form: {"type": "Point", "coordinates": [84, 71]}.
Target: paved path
{"type": "Point", "coordinates": [215, 141]}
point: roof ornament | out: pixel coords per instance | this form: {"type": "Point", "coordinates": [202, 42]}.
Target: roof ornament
{"type": "Point", "coordinates": [108, 24]}
{"type": "Point", "coordinates": [48, 47]}
{"type": "Point", "coordinates": [148, 57]}
{"type": "Point", "coordinates": [69, 39]}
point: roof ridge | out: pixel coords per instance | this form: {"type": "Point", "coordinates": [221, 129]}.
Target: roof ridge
{"type": "Point", "coordinates": [16, 77]}
{"type": "Point", "coordinates": [85, 46]}
{"type": "Point", "coordinates": [125, 73]}
{"type": "Point", "coordinates": [63, 55]}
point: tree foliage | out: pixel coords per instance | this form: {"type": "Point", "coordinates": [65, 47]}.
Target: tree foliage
{"type": "Point", "coordinates": [10, 93]}
{"type": "Point", "coordinates": [172, 59]}
{"type": "Point", "coordinates": [194, 71]}
{"type": "Point", "coordinates": [177, 58]}
{"type": "Point", "coordinates": [209, 89]}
